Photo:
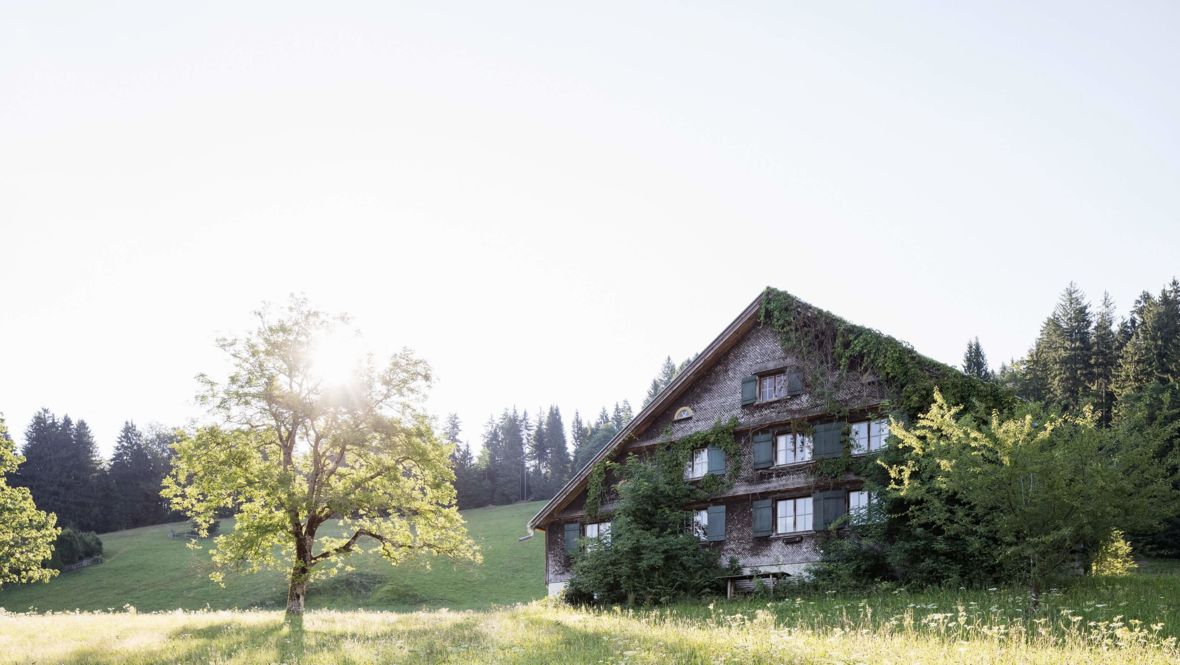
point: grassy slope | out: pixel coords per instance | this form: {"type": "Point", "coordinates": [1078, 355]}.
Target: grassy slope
{"type": "Point", "coordinates": [148, 570]}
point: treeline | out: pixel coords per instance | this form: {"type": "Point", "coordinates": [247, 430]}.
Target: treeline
{"type": "Point", "coordinates": [1088, 357]}
{"type": "Point", "coordinates": [66, 475]}
{"type": "Point", "coordinates": [526, 458]}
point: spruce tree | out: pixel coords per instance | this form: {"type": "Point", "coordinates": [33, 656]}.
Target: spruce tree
{"type": "Point", "coordinates": [559, 454]}
{"type": "Point", "coordinates": [1104, 359]}
{"type": "Point", "coordinates": [1068, 349]}
{"type": "Point", "coordinates": [975, 362]}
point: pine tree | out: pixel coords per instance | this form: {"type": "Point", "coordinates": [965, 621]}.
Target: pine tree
{"type": "Point", "coordinates": [559, 454]}
{"type": "Point", "coordinates": [136, 492]}
{"type": "Point", "coordinates": [1104, 360]}
{"type": "Point", "coordinates": [975, 362]}
{"type": "Point", "coordinates": [1152, 353]}
{"type": "Point", "coordinates": [1068, 349]}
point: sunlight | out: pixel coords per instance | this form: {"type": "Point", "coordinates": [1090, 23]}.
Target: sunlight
{"type": "Point", "coordinates": [336, 357]}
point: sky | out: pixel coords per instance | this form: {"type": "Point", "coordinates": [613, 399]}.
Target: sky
{"type": "Point", "coordinates": [544, 200]}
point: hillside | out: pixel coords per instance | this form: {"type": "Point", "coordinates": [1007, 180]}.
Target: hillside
{"type": "Point", "coordinates": [150, 571]}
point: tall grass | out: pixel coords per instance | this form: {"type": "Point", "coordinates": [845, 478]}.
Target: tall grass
{"type": "Point", "coordinates": [781, 631]}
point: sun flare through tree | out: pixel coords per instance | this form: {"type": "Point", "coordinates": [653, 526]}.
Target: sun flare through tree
{"type": "Point", "coordinates": [311, 430]}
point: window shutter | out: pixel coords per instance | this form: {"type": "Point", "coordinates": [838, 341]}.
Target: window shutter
{"type": "Point", "coordinates": [829, 506]}
{"type": "Point", "coordinates": [794, 381]}
{"type": "Point", "coordinates": [828, 440]}
{"type": "Point", "coordinates": [716, 527]}
{"type": "Point", "coordinates": [763, 451]}
{"type": "Point", "coordinates": [763, 525]}
{"type": "Point", "coordinates": [749, 390]}
{"type": "Point", "coordinates": [572, 531]}
{"type": "Point", "coordinates": [716, 460]}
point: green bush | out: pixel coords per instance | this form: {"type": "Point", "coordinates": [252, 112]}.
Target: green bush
{"type": "Point", "coordinates": [651, 557]}
{"type": "Point", "coordinates": [1113, 557]}
{"type": "Point", "coordinates": [73, 546]}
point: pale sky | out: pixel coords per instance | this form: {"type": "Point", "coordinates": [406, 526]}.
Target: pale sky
{"type": "Point", "coordinates": [545, 199]}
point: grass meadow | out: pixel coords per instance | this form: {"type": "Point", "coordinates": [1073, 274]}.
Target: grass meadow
{"type": "Point", "coordinates": [151, 602]}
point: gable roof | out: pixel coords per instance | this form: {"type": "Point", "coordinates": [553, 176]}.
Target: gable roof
{"type": "Point", "coordinates": [715, 350]}
{"type": "Point", "coordinates": [915, 378]}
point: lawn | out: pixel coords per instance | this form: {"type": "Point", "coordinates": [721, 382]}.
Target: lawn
{"type": "Point", "coordinates": [824, 630]}
{"type": "Point", "coordinates": [150, 571]}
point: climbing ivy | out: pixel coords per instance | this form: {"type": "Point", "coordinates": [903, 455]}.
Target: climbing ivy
{"type": "Point", "coordinates": [671, 457]}
{"type": "Point", "coordinates": [833, 349]}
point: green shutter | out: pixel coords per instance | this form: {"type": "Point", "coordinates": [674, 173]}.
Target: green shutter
{"type": "Point", "coordinates": [827, 507]}
{"type": "Point", "coordinates": [716, 528]}
{"type": "Point", "coordinates": [794, 381]}
{"type": "Point", "coordinates": [716, 460]}
{"type": "Point", "coordinates": [749, 390]}
{"type": "Point", "coordinates": [828, 440]}
{"type": "Point", "coordinates": [763, 524]}
{"type": "Point", "coordinates": [763, 450]}
{"type": "Point", "coordinates": [572, 531]}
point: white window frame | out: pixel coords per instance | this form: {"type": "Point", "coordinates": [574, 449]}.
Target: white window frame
{"type": "Point", "coordinates": [700, 523]}
{"type": "Point", "coordinates": [858, 437]}
{"type": "Point", "coordinates": [860, 502]}
{"type": "Point", "coordinates": [698, 464]}
{"type": "Point", "coordinates": [778, 384]}
{"type": "Point", "coordinates": [598, 530]}
{"type": "Point", "coordinates": [793, 515]}
{"type": "Point", "coordinates": [791, 449]}
{"type": "Point", "coordinates": [878, 433]}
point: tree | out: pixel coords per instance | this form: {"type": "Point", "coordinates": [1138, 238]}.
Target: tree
{"type": "Point", "coordinates": [26, 533]}
{"type": "Point", "coordinates": [1037, 487]}
{"type": "Point", "coordinates": [1152, 350]}
{"type": "Point", "coordinates": [651, 557]}
{"type": "Point", "coordinates": [310, 432]}
{"type": "Point", "coordinates": [138, 466]}
{"type": "Point", "coordinates": [1104, 359]}
{"type": "Point", "coordinates": [64, 472]}
{"type": "Point", "coordinates": [1067, 349]}
{"type": "Point", "coordinates": [975, 362]}
{"type": "Point", "coordinates": [664, 378]}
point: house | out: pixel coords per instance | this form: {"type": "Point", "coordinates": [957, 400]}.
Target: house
{"type": "Point", "coordinates": [801, 385]}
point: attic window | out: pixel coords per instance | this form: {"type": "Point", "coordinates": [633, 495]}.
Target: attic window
{"type": "Point", "coordinates": [683, 413]}
{"type": "Point", "coordinates": [772, 386]}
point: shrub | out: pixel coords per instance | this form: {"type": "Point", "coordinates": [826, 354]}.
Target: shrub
{"type": "Point", "coordinates": [73, 546]}
{"type": "Point", "coordinates": [651, 557]}
{"type": "Point", "coordinates": [1113, 557]}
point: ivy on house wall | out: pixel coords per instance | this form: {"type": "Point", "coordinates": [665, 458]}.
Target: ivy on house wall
{"type": "Point", "coordinates": [833, 349]}
{"type": "Point", "coordinates": [672, 457]}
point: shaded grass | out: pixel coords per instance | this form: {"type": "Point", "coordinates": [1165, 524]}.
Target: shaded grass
{"type": "Point", "coordinates": [150, 571]}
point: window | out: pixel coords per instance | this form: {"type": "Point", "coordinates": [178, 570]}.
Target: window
{"type": "Point", "coordinates": [868, 436]}
{"type": "Point", "coordinates": [599, 530]}
{"type": "Point", "coordinates": [858, 505]}
{"type": "Point", "coordinates": [794, 515]}
{"type": "Point", "coordinates": [700, 524]}
{"type": "Point", "coordinates": [698, 464]}
{"type": "Point", "coordinates": [792, 448]}
{"type": "Point", "coordinates": [878, 433]}
{"type": "Point", "coordinates": [859, 438]}
{"type": "Point", "coordinates": [772, 387]}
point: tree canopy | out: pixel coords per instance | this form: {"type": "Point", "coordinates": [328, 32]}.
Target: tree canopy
{"type": "Point", "coordinates": [26, 533]}
{"type": "Point", "coordinates": [311, 431]}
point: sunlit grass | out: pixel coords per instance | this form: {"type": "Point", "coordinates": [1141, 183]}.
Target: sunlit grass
{"type": "Point", "coordinates": [544, 633]}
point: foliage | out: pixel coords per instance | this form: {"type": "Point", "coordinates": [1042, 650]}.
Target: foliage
{"type": "Point", "coordinates": [832, 349]}
{"type": "Point", "coordinates": [138, 466]}
{"type": "Point", "coordinates": [1113, 557]}
{"type": "Point", "coordinates": [1029, 490]}
{"type": "Point", "coordinates": [26, 533]}
{"type": "Point", "coordinates": [64, 473]}
{"type": "Point", "coordinates": [299, 449]}
{"type": "Point", "coordinates": [73, 546]}
{"type": "Point", "coordinates": [651, 556]}
{"type": "Point", "coordinates": [975, 361]}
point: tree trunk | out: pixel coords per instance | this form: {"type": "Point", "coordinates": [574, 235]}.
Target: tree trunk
{"type": "Point", "coordinates": [297, 591]}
